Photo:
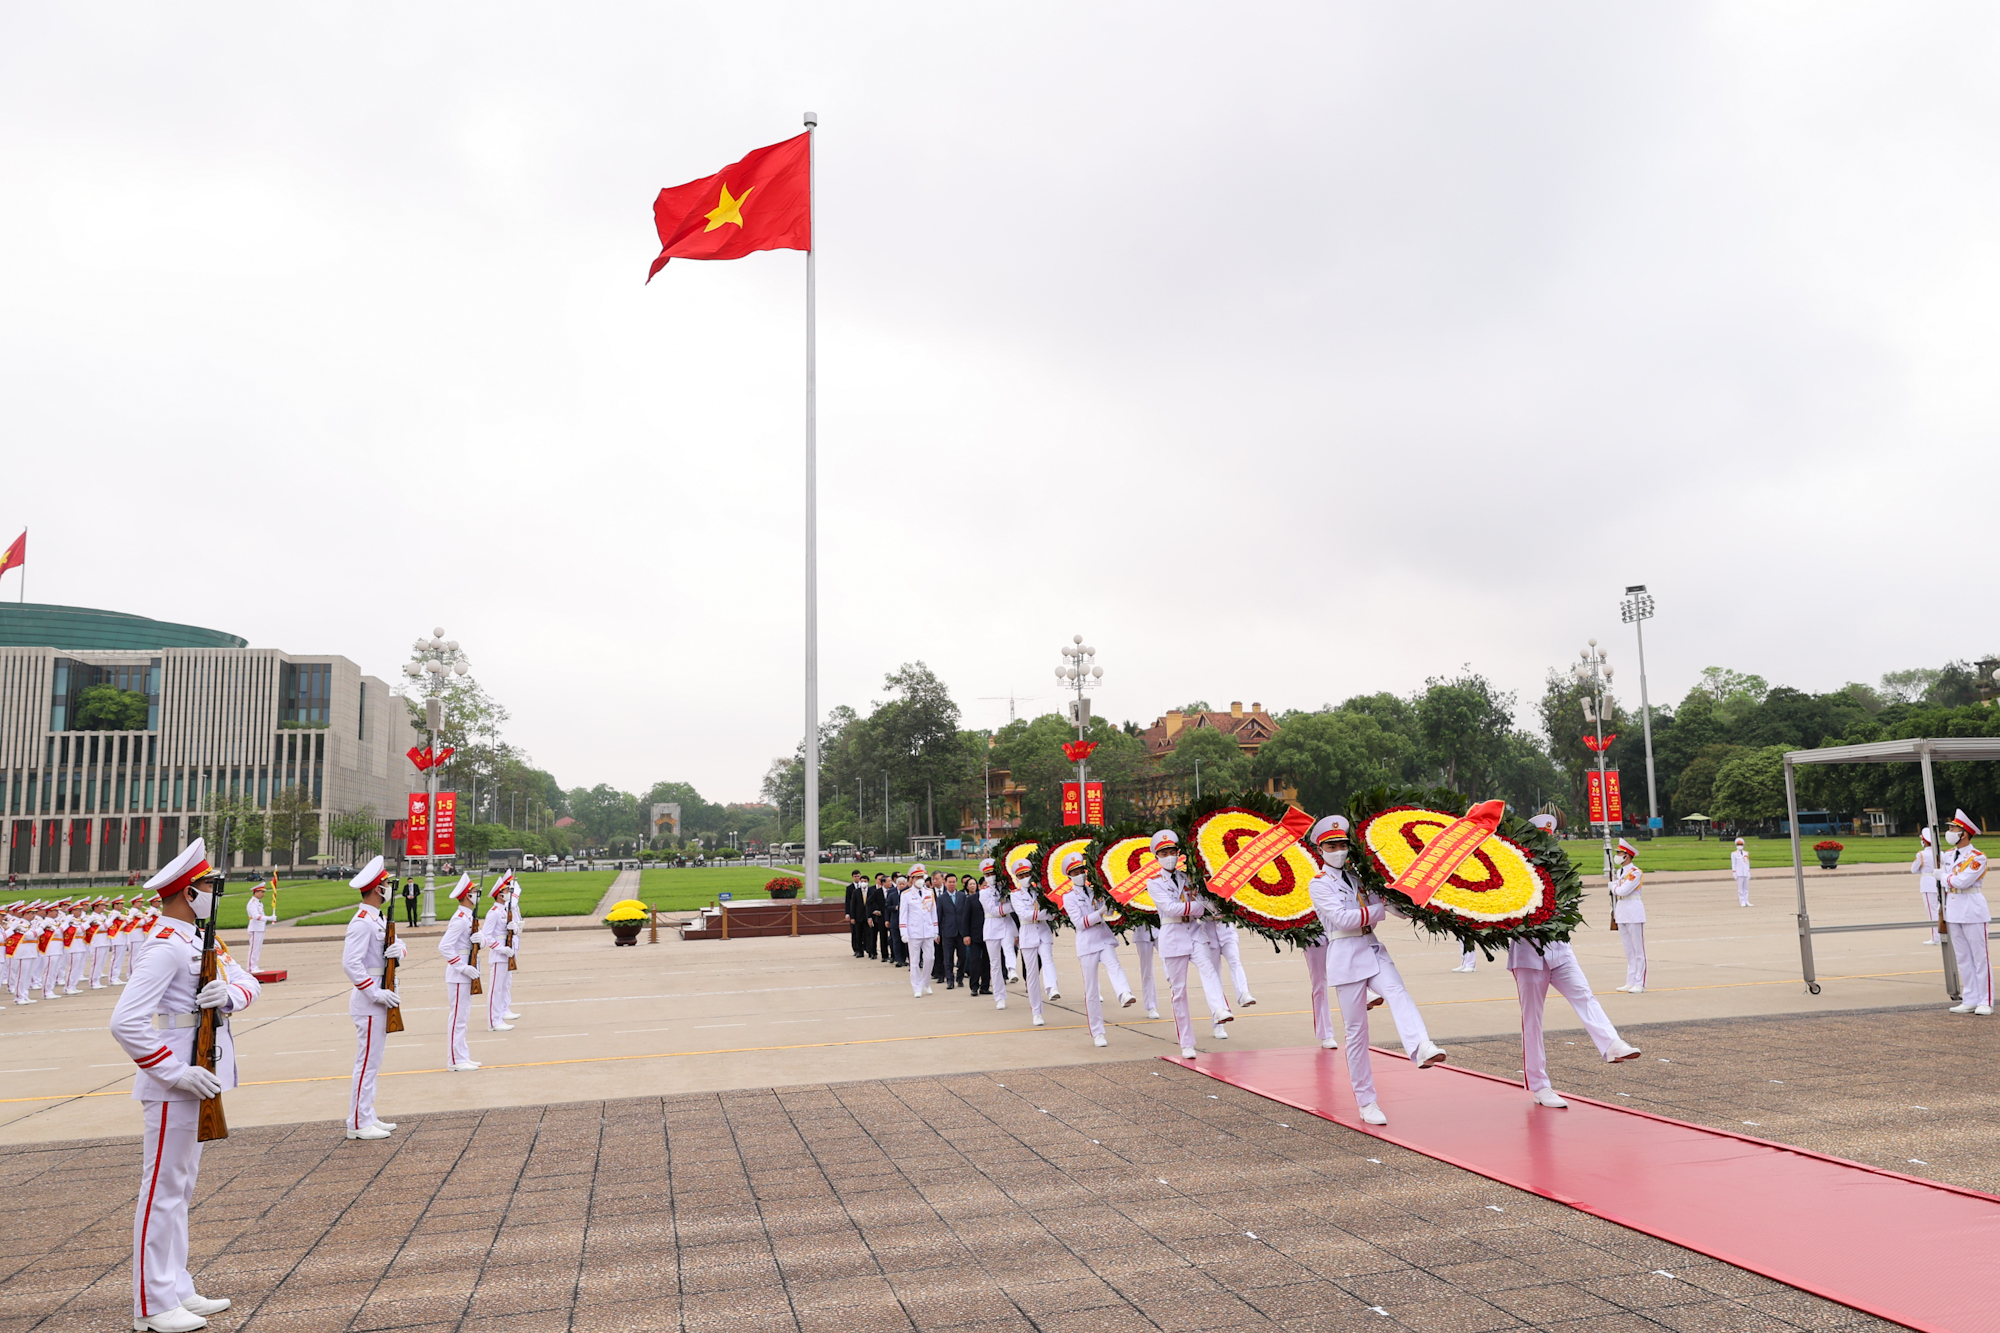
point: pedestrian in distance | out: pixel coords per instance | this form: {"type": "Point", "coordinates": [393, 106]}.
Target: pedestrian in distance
{"type": "Point", "coordinates": [409, 893]}
{"type": "Point", "coordinates": [1184, 940]}
{"type": "Point", "coordinates": [997, 930]}
{"type": "Point", "coordinates": [1037, 938]}
{"type": "Point", "coordinates": [259, 921]}
{"type": "Point", "coordinates": [972, 945]}
{"type": "Point", "coordinates": [951, 933]}
{"type": "Point", "coordinates": [498, 937]}
{"type": "Point", "coordinates": [899, 949]}
{"type": "Point", "coordinates": [855, 912]}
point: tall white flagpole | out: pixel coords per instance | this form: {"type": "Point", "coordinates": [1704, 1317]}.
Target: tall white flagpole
{"type": "Point", "coordinates": [811, 870]}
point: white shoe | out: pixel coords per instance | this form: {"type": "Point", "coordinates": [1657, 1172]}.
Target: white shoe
{"type": "Point", "coordinates": [97, 985]}
{"type": "Point", "coordinates": [1127, 1000]}
{"type": "Point", "coordinates": [1965, 1008]}
{"type": "Point", "coordinates": [1247, 1002]}
{"type": "Point", "coordinates": [1038, 1021]}
{"type": "Point", "coordinates": [499, 1027]}
{"type": "Point", "coordinates": [1548, 1097]}
{"type": "Point", "coordinates": [1187, 1052]}
{"type": "Point", "coordinates": [927, 988]}
{"type": "Point", "coordinates": [1428, 1054]}
{"type": "Point", "coordinates": [1622, 1050]}
{"type": "Point", "coordinates": [1636, 990]}
{"type": "Point", "coordinates": [465, 1066]}
{"type": "Point", "coordinates": [176, 1320]}
{"type": "Point", "coordinates": [371, 1132]}
{"type": "Point", "coordinates": [1227, 1018]}
{"type": "Point", "coordinates": [389, 1125]}
{"type": "Point", "coordinates": [1152, 1013]}
{"type": "Point", "coordinates": [1461, 968]}
{"type": "Point", "coordinates": [1329, 1045]}
{"type": "Point", "coordinates": [1371, 1114]}
{"type": "Point", "coordinates": [203, 1306]}
{"type": "Point", "coordinates": [916, 995]}
{"type": "Point", "coordinates": [1054, 995]}
{"type": "Point", "coordinates": [1099, 1041]}
{"type": "Point", "coordinates": [1221, 1032]}
{"type": "Point", "coordinates": [510, 1015]}
{"type": "Point", "coordinates": [27, 1002]}
{"type": "Point", "coordinates": [1626, 986]}
{"type": "Point", "coordinates": [1983, 1010]}
{"type": "Point", "coordinates": [1011, 978]}
{"type": "Point", "coordinates": [1000, 1003]}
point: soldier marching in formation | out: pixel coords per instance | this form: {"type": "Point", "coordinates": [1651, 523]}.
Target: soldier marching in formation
{"type": "Point", "coordinates": [362, 957]}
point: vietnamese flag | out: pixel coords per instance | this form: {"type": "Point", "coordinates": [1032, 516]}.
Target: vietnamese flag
{"type": "Point", "coordinates": [16, 555]}
{"type": "Point", "coordinates": [763, 202]}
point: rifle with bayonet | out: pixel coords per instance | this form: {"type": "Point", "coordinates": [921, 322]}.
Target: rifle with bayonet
{"type": "Point", "coordinates": [472, 956]}
{"type": "Point", "coordinates": [209, 1121]}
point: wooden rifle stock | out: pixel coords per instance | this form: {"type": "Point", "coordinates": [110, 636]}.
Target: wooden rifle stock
{"type": "Point", "coordinates": [394, 1021]}
{"type": "Point", "coordinates": [472, 960]}
{"type": "Point", "coordinates": [512, 962]}
{"type": "Point", "coordinates": [209, 1121]}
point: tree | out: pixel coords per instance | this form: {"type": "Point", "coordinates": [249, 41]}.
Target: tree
{"type": "Point", "coordinates": [1751, 787]}
{"type": "Point", "coordinates": [1909, 686]}
{"type": "Point", "coordinates": [108, 708]}
{"type": "Point", "coordinates": [1729, 687]}
{"type": "Point", "coordinates": [1332, 754]}
{"type": "Point", "coordinates": [355, 834]}
{"type": "Point", "coordinates": [292, 823]}
{"type": "Point", "coordinates": [246, 826]}
{"type": "Point", "coordinates": [1223, 765]}
{"type": "Point", "coordinates": [1464, 723]}
{"type": "Point", "coordinates": [1694, 790]}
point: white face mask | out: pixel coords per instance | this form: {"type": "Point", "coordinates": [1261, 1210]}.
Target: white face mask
{"type": "Point", "coordinates": [1079, 881]}
{"type": "Point", "coordinates": [1170, 861]}
{"type": "Point", "coordinates": [1334, 856]}
{"type": "Point", "coordinates": [1951, 837]}
{"type": "Point", "coordinates": [202, 901]}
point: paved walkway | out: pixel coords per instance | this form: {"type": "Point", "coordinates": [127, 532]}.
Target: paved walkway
{"type": "Point", "coordinates": [1127, 1196]}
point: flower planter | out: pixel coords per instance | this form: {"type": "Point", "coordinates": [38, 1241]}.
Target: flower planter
{"type": "Point", "coordinates": [784, 893]}
{"type": "Point", "coordinates": [1828, 860]}
{"type": "Point", "coordinates": [627, 932]}
{"type": "Point", "coordinates": [783, 886]}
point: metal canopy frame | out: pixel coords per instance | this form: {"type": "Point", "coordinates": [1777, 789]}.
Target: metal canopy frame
{"type": "Point", "coordinates": [1920, 751]}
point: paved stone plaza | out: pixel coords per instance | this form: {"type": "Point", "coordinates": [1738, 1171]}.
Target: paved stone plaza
{"type": "Point", "coordinates": [1132, 1195]}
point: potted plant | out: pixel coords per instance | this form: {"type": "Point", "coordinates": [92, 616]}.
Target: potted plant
{"type": "Point", "coordinates": [784, 886]}
{"type": "Point", "coordinates": [1828, 852]}
{"type": "Point", "coordinates": [626, 919]}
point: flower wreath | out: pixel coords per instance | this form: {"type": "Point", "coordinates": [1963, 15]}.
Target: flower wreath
{"type": "Point", "coordinates": [1280, 888]}
{"type": "Point", "coordinates": [1046, 864]}
{"type": "Point", "coordinates": [1113, 854]}
{"type": "Point", "coordinates": [1518, 885]}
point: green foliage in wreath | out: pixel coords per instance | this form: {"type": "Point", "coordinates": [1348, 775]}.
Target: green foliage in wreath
{"type": "Point", "coordinates": [1132, 914]}
{"type": "Point", "coordinates": [1257, 803]}
{"type": "Point", "coordinates": [1045, 844]}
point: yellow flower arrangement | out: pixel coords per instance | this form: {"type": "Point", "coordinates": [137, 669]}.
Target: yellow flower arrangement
{"type": "Point", "coordinates": [631, 909]}
{"type": "Point", "coordinates": [1496, 885]}
{"type": "Point", "coordinates": [1278, 895]}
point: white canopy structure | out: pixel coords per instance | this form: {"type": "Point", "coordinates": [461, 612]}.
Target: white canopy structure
{"type": "Point", "coordinates": [1920, 751]}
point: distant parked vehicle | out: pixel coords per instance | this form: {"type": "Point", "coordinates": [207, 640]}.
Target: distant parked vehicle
{"type": "Point", "coordinates": [505, 858]}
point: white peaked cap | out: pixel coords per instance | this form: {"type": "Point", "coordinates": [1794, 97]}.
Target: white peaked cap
{"type": "Point", "coordinates": [1546, 823]}
{"type": "Point", "coordinates": [1019, 859]}
{"type": "Point", "coordinates": [1924, 833]}
{"type": "Point", "coordinates": [466, 888]}
{"type": "Point", "coordinates": [1332, 826]}
{"type": "Point", "coordinates": [918, 869]}
{"type": "Point", "coordinates": [1965, 822]}
{"type": "Point", "coordinates": [183, 870]}
{"type": "Point", "coordinates": [1627, 848]}
{"type": "Point", "coordinates": [1739, 841]}
{"type": "Point", "coordinates": [371, 874]}
{"type": "Point", "coordinates": [986, 866]}
{"type": "Point", "coordinates": [1072, 862]}
{"type": "Point", "coordinates": [1166, 837]}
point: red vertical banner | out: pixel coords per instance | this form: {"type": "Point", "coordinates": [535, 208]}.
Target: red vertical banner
{"type": "Point", "coordinates": [445, 818]}
{"type": "Point", "coordinates": [1072, 804]}
{"type": "Point", "coordinates": [1598, 792]}
{"type": "Point", "coordinates": [1093, 804]}
{"type": "Point", "coordinates": [419, 819]}
{"type": "Point", "coordinates": [1612, 797]}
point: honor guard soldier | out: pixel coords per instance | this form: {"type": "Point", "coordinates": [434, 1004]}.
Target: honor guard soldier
{"type": "Point", "coordinates": [1739, 869]}
{"type": "Point", "coordinates": [1925, 868]}
{"type": "Point", "coordinates": [1229, 959]}
{"type": "Point", "coordinates": [997, 930]}
{"type": "Point", "coordinates": [98, 935]}
{"type": "Point", "coordinates": [362, 956]}
{"type": "Point", "coordinates": [1037, 938]}
{"type": "Point", "coordinates": [455, 947]}
{"type": "Point", "coordinates": [1555, 965]}
{"type": "Point", "coordinates": [260, 920]}
{"type": "Point", "coordinates": [1184, 939]}
{"type": "Point", "coordinates": [154, 1022]}
{"type": "Point", "coordinates": [121, 942]}
{"type": "Point", "coordinates": [917, 927]}
{"type": "Point", "coordinates": [1096, 946]}
{"type": "Point", "coordinates": [494, 933]}
{"type": "Point", "coordinates": [1628, 917]}
{"type": "Point", "coordinates": [13, 930]}
{"type": "Point", "coordinates": [1357, 961]}
{"type": "Point", "coordinates": [1961, 873]}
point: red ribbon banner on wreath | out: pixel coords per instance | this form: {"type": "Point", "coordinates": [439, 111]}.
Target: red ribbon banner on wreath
{"type": "Point", "coordinates": [1259, 852]}
{"type": "Point", "coordinates": [1442, 855]}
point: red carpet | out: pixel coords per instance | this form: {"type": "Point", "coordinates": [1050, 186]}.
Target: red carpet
{"type": "Point", "coordinates": [1904, 1249]}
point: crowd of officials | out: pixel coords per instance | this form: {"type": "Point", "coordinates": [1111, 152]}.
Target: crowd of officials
{"type": "Point", "coordinates": [873, 908]}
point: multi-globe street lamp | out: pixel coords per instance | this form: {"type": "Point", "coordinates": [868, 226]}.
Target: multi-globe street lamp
{"type": "Point", "coordinates": [436, 658]}
{"type": "Point", "coordinates": [1080, 673]}
{"type": "Point", "coordinates": [1594, 674]}
{"type": "Point", "coordinates": [1637, 609]}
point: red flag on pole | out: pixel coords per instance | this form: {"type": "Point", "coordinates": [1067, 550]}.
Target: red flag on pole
{"type": "Point", "coordinates": [760, 203]}
{"type": "Point", "coordinates": [15, 555]}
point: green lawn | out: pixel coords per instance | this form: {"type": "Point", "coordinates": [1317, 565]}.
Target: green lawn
{"type": "Point", "coordinates": [550, 893]}
{"type": "Point", "coordinates": [1713, 853]}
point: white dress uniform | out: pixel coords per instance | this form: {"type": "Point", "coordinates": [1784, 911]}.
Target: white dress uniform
{"type": "Point", "coordinates": [998, 934]}
{"type": "Point", "coordinates": [154, 1023]}
{"type": "Point", "coordinates": [260, 920]}
{"type": "Point", "coordinates": [1096, 947]}
{"type": "Point", "coordinates": [1146, 940]}
{"type": "Point", "coordinates": [1925, 867]}
{"type": "Point", "coordinates": [499, 980]}
{"type": "Point", "coordinates": [13, 933]}
{"type": "Point", "coordinates": [1038, 957]}
{"type": "Point", "coordinates": [1184, 938]}
{"type": "Point", "coordinates": [49, 955]}
{"type": "Point", "coordinates": [361, 957]}
{"type": "Point", "coordinates": [1630, 914]}
{"type": "Point", "coordinates": [70, 936]}
{"type": "Point", "coordinates": [917, 920]}
{"type": "Point", "coordinates": [1534, 973]}
{"type": "Point", "coordinates": [1739, 866]}
{"type": "Point", "coordinates": [100, 944]}
{"type": "Point", "coordinates": [1228, 954]}
{"type": "Point", "coordinates": [1356, 962]}
{"type": "Point", "coordinates": [1961, 874]}
{"type": "Point", "coordinates": [455, 947]}
{"type": "Point", "coordinates": [121, 943]}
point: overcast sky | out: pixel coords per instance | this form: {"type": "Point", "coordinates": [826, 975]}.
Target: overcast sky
{"type": "Point", "coordinates": [1284, 352]}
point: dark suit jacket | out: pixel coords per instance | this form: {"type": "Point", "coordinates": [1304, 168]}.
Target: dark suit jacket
{"type": "Point", "coordinates": [877, 903]}
{"type": "Point", "coordinates": [856, 897]}
{"type": "Point", "coordinates": [975, 916]}
{"type": "Point", "coordinates": [951, 916]}
{"type": "Point", "coordinates": [892, 905]}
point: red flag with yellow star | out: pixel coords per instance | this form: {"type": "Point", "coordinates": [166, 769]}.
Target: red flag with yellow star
{"type": "Point", "coordinates": [763, 202]}
{"type": "Point", "coordinates": [15, 555]}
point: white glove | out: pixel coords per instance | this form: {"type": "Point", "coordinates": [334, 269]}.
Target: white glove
{"type": "Point", "coordinates": [214, 995]}
{"type": "Point", "coordinates": [388, 999]}
{"type": "Point", "coordinates": [464, 972]}
{"type": "Point", "coordinates": [502, 951]}
{"type": "Point", "coordinates": [198, 1082]}
{"type": "Point", "coordinates": [396, 950]}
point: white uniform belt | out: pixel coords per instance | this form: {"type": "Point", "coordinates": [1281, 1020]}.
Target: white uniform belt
{"type": "Point", "coordinates": [1350, 934]}
{"type": "Point", "coordinates": [165, 1022]}
{"type": "Point", "coordinates": [374, 971]}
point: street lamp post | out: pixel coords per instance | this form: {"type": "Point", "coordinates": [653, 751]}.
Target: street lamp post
{"type": "Point", "coordinates": [440, 657]}
{"type": "Point", "coordinates": [1594, 674]}
{"type": "Point", "coordinates": [1082, 673]}
{"type": "Point", "coordinates": [1637, 609]}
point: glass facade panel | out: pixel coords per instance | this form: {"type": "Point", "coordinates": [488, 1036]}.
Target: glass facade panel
{"type": "Point", "coordinates": [305, 694]}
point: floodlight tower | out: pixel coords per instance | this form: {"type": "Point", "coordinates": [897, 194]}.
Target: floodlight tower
{"type": "Point", "coordinates": [1637, 609]}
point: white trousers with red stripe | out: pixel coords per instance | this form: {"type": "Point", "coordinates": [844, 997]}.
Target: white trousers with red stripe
{"type": "Point", "coordinates": [1975, 967]}
{"type": "Point", "coordinates": [458, 1008]}
{"type": "Point", "coordinates": [1093, 996]}
{"type": "Point", "coordinates": [170, 1159]}
{"type": "Point", "coordinates": [1149, 992]}
{"type": "Point", "coordinates": [256, 949]}
{"type": "Point", "coordinates": [499, 992]}
{"type": "Point", "coordinates": [368, 1037]}
{"type": "Point", "coordinates": [1632, 934]}
{"type": "Point", "coordinates": [1532, 985]}
{"type": "Point", "coordinates": [100, 963]}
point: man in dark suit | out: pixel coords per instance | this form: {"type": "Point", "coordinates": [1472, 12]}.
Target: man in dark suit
{"type": "Point", "coordinates": [899, 949]}
{"type": "Point", "coordinates": [875, 909]}
{"type": "Point", "coordinates": [971, 947]}
{"type": "Point", "coordinates": [857, 914]}
{"type": "Point", "coordinates": [951, 927]}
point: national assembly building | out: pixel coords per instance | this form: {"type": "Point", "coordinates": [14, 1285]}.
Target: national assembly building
{"type": "Point", "coordinates": [116, 732]}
